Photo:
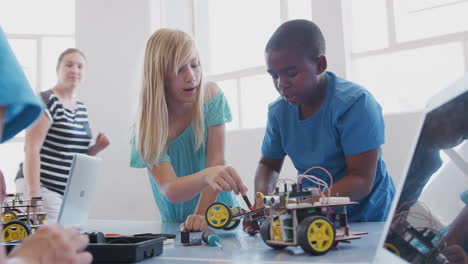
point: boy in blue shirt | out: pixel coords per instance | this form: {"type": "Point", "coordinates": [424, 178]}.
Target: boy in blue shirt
{"type": "Point", "coordinates": [323, 120]}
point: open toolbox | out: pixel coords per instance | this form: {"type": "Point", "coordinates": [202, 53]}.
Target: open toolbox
{"type": "Point", "coordinates": [125, 249]}
{"type": "Point", "coordinates": [119, 249]}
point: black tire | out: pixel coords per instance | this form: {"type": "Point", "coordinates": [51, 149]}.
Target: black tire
{"type": "Point", "coordinates": [232, 225]}
{"type": "Point", "coordinates": [24, 219]}
{"type": "Point", "coordinates": [17, 211]}
{"type": "Point", "coordinates": [265, 233]}
{"type": "Point", "coordinates": [313, 241]}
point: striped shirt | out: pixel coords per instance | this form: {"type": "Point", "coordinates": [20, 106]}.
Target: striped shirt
{"type": "Point", "coordinates": [69, 133]}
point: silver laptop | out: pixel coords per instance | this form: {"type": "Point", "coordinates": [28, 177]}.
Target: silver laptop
{"type": "Point", "coordinates": [428, 199]}
{"type": "Point", "coordinates": [79, 192]}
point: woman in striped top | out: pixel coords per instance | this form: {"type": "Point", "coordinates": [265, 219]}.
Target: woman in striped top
{"type": "Point", "coordinates": [59, 133]}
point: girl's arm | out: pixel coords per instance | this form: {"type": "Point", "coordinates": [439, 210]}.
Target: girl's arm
{"type": "Point", "coordinates": [35, 137]}
{"type": "Point", "coordinates": [214, 153]}
{"type": "Point", "coordinates": [181, 189]}
{"type": "Point", "coordinates": [214, 157]}
{"type": "Point", "coordinates": [361, 169]}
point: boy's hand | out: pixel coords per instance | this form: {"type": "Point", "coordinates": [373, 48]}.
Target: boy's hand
{"type": "Point", "coordinates": [258, 201]}
{"type": "Point", "coordinates": [455, 254]}
{"type": "Point", "coordinates": [194, 223]}
{"type": "Point", "coordinates": [225, 178]}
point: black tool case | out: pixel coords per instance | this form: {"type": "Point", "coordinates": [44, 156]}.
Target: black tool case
{"type": "Point", "coordinates": [120, 249]}
{"type": "Point", "coordinates": [126, 249]}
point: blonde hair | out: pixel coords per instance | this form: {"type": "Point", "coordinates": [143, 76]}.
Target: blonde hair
{"type": "Point", "coordinates": [166, 51]}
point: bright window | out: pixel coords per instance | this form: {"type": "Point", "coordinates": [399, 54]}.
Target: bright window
{"type": "Point", "coordinates": [405, 80]}
{"type": "Point", "coordinates": [257, 92]}
{"type": "Point", "coordinates": [410, 52]}
{"type": "Point", "coordinates": [38, 17]}
{"type": "Point", "coordinates": [237, 35]}
{"type": "Point", "coordinates": [419, 19]}
{"type": "Point", "coordinates": [366, 24]}
{"type": "Point", "coordinates": [38, 31]}
{"type": "Point", "coordinates": [234, 35]}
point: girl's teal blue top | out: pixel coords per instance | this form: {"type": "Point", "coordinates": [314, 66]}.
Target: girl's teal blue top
{"type": "Point", "coordinates": [186, 160]}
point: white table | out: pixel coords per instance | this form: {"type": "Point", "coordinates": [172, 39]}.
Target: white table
{"type": "Point", "coordinates": [239, 247]}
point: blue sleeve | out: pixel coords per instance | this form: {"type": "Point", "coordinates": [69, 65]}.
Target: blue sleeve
{"type": "Point", "coordinates": [135, 159]}
{"type": "Point", "coordinates": [23, 107]}
{"type": "Point", "coordinates": [361, 128]}
{"type": "Point", "coordinates": [272, 147]}
{"type": "Point", "coordinates": [217, 110]}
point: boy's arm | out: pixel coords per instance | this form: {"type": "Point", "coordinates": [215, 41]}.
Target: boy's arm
{"type": "Point", "coordinates": [361, 171]}
{"type": "Point", "coordinates": [267, 173]}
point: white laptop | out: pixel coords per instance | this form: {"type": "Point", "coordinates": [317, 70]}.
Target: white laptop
{"type": "Point", "coordinates": [79, 192]}
{"type": "Point", "coordinates": [418, 215]}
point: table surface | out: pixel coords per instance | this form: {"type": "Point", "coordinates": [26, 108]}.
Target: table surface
{"type": "Point", "coordinates": [239, 247]}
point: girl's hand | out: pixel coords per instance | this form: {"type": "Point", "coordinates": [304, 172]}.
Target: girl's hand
{"type": "Point", "coordinates": [194, 223]}
{"type": "Point", "coordinates": [225, 178]}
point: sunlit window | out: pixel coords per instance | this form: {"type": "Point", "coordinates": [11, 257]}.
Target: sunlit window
{"type": "Point", "coordinates": [38, 17]}
{"type": "Point", "coordinates": [236, 33]}
{"type": "Point", "coordinates": [405, 80]}
{"type": "Point", "coordinates": [419, 19]}
{"type": "Point", "coordinates": [369, 30]}
{"type": "Point", "coordinates": [406, 51]}
{"type": "Point", "coordinates": [38, 31]}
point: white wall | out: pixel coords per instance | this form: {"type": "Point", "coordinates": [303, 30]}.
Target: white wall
{"type": "Point", "coordinates": [243, 151]}
{"type": "Point", "coordinates": [113, 33]}
{"type": "Point", "coordinates": [327, 15]}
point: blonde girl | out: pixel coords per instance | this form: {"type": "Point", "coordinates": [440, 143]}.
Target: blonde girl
{"type": "Point", "coordinates": [179, 132]}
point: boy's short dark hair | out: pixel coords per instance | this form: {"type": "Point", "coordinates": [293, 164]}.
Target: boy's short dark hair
{"type": "Point", "coordinates": [300, 35]}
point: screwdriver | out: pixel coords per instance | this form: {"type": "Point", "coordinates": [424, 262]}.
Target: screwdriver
{"type": "Point", "coordinates": [247, 202]}
{"type": "Point", "coordinates": [254, 223]}
{"type": "Point", "coordinates": [210, 237]}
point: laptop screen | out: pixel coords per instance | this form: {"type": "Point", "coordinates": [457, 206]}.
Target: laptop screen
{"type": "Point", "coordinates": [79, 193]}
{"type": "Point", "coordinates": [426, 225]}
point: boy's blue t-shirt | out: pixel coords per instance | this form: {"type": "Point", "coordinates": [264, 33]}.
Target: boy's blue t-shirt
{"type": "Point", "coordinates": [22, 105]}
{"type": "Point", "coordinates": [348, 122]}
